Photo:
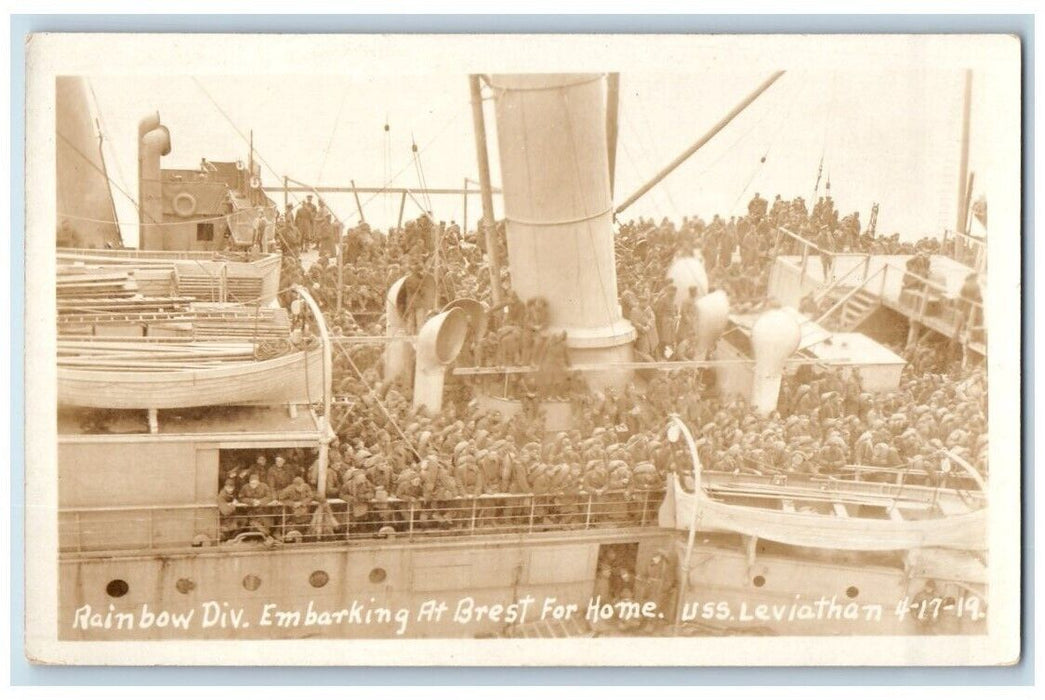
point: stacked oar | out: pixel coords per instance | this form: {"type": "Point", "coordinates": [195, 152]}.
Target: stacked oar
{"type": "Point", "coordinates": [98, 285]}
{"type": "Point", "coordinates": [157, 355]}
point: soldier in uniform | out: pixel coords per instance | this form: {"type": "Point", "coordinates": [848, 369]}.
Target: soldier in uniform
{"type": "Point", "coordinates": [303, 220]}
{"type": "Point", "coordinates": [658, 585]}
{"type": "Point", "coordinates": [256, 495]}
{"type": "Point", "coordinates": [279, 475]}
{"type": "Point", "coordinates": [229, 521]}
{"type": "Point", "coordinates": [666, 314]}
{"type": "Point", "coordinates": [297, 497]}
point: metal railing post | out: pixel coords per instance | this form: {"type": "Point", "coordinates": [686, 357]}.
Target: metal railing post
{"type": "Point", "coordinates": [410, 530]}
{"type": "Point", "coordinates": [645, 507]}
{"type": "Point", "coordinates": [587, 514]}
{"type": "Point", "coordinates": [533, 508]}
{"type": "Point", "coordinates": [475, 508]}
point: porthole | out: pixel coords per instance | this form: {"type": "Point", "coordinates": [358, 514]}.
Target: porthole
{"type": "Point", "coordinates": [852, 592]}
{"type": "Point", "coordinates": [378, 575]}
{"type": "Point", "coordinates": [319, 578]}
{"type": "Point", "coordinates": [251, 582]}
{"type": "Point", "coordinates": [185, 585]}
{"type": "Point", "coordinates": [759, 581]}
{"type": "Point", "coordinates": [117, 588]}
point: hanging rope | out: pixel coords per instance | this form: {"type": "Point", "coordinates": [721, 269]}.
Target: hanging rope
{"type": "Point", "coordinates": [578, 179]}
{"type": "Point", "coordinates": [243, 136]}
{"type": "Point", "coordinates": [383, 189]}
{"type": "Point", "coordinates": [387, 162]}
{"type": "Point", "coordinates": [333, 131]}
{"type": "Point", "coordinates": [104, 130]}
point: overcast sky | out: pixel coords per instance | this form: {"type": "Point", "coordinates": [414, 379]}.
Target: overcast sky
{"type": "Point", "coordinates": [890, 137]}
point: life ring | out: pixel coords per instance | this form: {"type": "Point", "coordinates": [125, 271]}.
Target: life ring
{"type": "Point", "coordinates": [184, 204]}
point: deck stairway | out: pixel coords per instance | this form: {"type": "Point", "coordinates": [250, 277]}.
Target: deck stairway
{"type": "Point", "coordinates": [853, 311]}
{"type": "Point", "coordinates": [856, 285]}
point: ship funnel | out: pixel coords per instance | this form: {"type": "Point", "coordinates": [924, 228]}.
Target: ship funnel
{"type": "Point", "coordinates": [688, 272]}
{"type": "Point", "coordinates": [712, 315]}
{"type": "Point", "coordinates": [438, 344]}
{"type": "Point", "coordinates": [774, 337]}
{"type": "Point", "coordinates": [551, 136]}
{"type": "Point", "coordinates": [153, 145]}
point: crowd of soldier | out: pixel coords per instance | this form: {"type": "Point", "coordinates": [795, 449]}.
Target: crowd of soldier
{"type": "Point", "coordinates": [398, 468]}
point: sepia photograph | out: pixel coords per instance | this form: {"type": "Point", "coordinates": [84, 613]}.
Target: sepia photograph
{"type": "Point", "coordinates": [523, 350]}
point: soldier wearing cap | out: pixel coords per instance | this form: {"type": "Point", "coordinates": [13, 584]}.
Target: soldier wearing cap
{"type": "Point", "coordinates": [304, 219]}
{"type": "Point", "coordinates": [278, 476]}
{"type": "Point", "coordinates": [230, 523]}
{"type": "Point", "coordinates": [256, 495]}
{"type": "Point", "coordinates": [297, 498]}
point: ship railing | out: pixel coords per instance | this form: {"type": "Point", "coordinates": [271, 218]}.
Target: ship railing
{"type": "Point", "coordinates": [806, 249]}
{"type": "Point", "coordinates": [966, 249]}
{"type": "Point", "coordinates": [926, 301]}
{"type": "Point", "coordinates": [197, 525]}
{"type": "Point", "coordinates": [920, 298]}
{"type": "Point", "coordinates": [908, 476]}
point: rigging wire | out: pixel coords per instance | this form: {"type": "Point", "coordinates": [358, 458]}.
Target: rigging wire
{"type": "Point", "coordinates": [103, 131]}
{"type": "Point", "coordinates": [650, 141]}
{"type": "Point", "coordinates": [240, 133]}
{"type": "Point", "coordinates": [333, 131]}
{"type": "Point", "coordinates": [387, 156]}
{"type": "Point", "coordinates": [587, 224]}
{"type": "Point", "coordinates": [654, 193]}
{"type": "Point", "coordinates": [453, 118]}
{"type": "Point", "coordinates": [104, 174]}
{"type": "Point", "coordinates": [760, 166]}
{"type": "Point", "coordinates": [828, 120]}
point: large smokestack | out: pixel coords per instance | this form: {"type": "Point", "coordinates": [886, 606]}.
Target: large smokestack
{"type": "Point", "coordinates": [551, 133]}
{"type": "Point", "coordinates": [84, 197]}
{"type": "Point", "coordinates": [154, 141]}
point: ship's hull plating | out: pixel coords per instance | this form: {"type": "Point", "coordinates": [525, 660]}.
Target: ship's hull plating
{"type": "Point", "coordinates": [453, 589]}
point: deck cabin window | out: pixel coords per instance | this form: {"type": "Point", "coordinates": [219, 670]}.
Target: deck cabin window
{"type": "Point", "coordinates": [205, 231]}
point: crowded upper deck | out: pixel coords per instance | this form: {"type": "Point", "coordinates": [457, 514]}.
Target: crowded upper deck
{"type": "Point", "coordinates": [394, 468]}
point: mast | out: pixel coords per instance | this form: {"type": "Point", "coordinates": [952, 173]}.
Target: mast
{"type": "Point", "coordinates": [250, 168]}
{"type": "Point", "coordinates": [612, 109]}
{"type": "Point", "coordinates": [486, 224]}
{"type": "Point", "coordinates": [701, 141]}
{"type": "Point", "coordinates": [963, 168]}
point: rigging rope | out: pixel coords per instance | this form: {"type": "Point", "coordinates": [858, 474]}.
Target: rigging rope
{"type": "Point", "coordinates": [333, 131]}
{"type": "Point", "coordinates": [241, 134]}
{"type": "Point", "coordinates": [578, 179]}
{"type": "Point", "coordinates": [383, 189]}
{"type": "Point", "coordinates": [103, 130]}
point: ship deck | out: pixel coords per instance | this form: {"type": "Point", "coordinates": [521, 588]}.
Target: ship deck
{"type": "Point", "coordinates": [77, 423]}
